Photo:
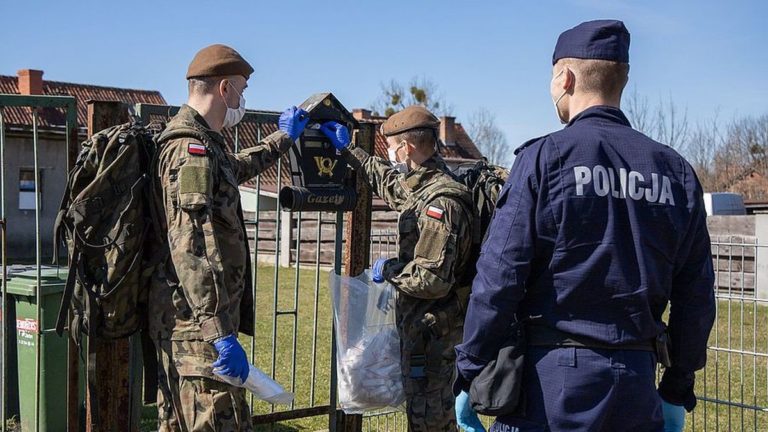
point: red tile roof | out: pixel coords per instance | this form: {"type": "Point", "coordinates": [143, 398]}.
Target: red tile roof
{"type": "Point", "coordinates": [463, 149]}
{"type": "Point", "coordinates": [51, 117]}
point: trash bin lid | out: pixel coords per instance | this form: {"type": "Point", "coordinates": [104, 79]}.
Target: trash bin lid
{"type": "Point", "coordinates": [52, 281]}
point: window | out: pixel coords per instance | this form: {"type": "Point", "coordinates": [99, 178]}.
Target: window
{"type": "Point", "coordinates": [27, 188]}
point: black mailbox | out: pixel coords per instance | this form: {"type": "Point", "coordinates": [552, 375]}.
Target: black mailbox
{"type": "Point", "coordinates": [319, 175]}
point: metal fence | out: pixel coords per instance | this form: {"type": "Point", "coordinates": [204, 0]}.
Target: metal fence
{"type": "Point", "coordinates": [35, 326]}
{"type": "Point", "coordinates": [733, 387]}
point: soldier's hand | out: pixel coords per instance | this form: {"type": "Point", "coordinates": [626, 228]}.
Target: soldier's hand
{"type": "Point", "coordinates": [337, 133]}
{"type": "Point", "coordinates": [466, 417]}
{"type": "Point", "coordinates": [377, 272]}
{"type": "Point", "coordinates": [232, 360]}
{"type": "Point", "coordinates": [293, 121]}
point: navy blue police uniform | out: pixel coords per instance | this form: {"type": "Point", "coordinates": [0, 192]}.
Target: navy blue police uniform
{"type": "Point", "coordinates": [597, 229]}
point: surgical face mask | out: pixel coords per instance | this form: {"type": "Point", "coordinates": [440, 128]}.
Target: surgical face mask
{"type": "Point", "coordinates": [233, 116]}
{"type": "Point", "coordinates": [400, 166]}
{"type": "Point", "coordinates": [557, 101]}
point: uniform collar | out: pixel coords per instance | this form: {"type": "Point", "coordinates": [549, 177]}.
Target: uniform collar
{"type": "Point", "coordinates": [605, 112]}
{"type": "Point", "coordinates": [191, 117]}
{"type": "Point", "coordinates": [434, 165]}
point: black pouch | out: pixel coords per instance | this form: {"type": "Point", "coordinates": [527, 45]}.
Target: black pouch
{"type": "Point", "coordinates": [662, 349]}
{"type": "Point", "coordinates": [497, 390]}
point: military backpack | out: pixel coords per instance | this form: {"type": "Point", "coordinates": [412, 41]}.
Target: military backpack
{"type": "Point", "coordinates": [105, 219]}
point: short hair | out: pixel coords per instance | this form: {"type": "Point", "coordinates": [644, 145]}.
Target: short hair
{"type": "Point", "coordinates": [604, 77]}
{"type": "Point", "coordinates": [202, 85]}
{"type": "Point", "coordinates": [423, 138]}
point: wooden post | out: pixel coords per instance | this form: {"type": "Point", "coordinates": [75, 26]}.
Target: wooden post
{"type": "Point", "coordinates": [357, 238]}
{"type": "Point", "coordinates": [112, 357]}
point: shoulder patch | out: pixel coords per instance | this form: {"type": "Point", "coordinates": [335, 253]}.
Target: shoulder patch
{"type": "Point", "coordinates": [528, 143]}
{"type": "Point", "coordinates": [196, 149]}
{"type": "Point", "coordinates": [435, 212]}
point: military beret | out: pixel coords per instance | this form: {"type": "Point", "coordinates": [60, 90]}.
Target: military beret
{"type": "Point", "coordinates": [412, 117]}
{"type": "Point", "coordinates": [218, 60]}
{"type": "Point", "coordinates": [598, 40]}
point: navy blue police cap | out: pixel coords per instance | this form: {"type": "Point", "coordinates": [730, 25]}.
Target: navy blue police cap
{"type": "Point", "coordinates": [597, 40]}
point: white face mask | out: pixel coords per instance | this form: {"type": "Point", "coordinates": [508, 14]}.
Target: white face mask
{"type": "Point", "coordinates": [233, 116]}
{"type": "Point", "coordinates": [400, 166]}
{"type": "Point", "coordinates": [557, 101]}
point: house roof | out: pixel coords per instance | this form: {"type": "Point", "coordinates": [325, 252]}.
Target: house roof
{"type": "Point", "coordinates": [53, 117]}
{"type": "Point", "coordinates": [463, 148]}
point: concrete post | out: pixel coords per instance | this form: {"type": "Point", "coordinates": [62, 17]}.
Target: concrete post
{"type": "Point", "coordinates": [761, 256]}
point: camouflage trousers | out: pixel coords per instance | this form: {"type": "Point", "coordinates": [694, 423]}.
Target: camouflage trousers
{"type": "Point", "coordinates": [428, 363]}
{"type": "Point", "coordinates": [189, 399]}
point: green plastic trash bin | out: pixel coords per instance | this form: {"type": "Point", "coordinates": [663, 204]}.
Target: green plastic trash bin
{"type": "Point", "coordinates": [30, 333]}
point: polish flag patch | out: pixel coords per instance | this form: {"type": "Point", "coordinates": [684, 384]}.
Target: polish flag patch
{"type": "Point", "coordinates": [196, 149]}
{"type": "Point", "coordinates": [435, 212]}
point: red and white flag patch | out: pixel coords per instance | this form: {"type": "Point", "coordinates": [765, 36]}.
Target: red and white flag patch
{"type": "Point", "coordinates": [435, 212]}
{"type": "Point", "coordinates": [196, 149]}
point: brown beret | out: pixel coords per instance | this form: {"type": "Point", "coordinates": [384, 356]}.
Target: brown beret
{"type": "Point", "coordinates": [412, 117]}
{"type": "Point", "coordinates": [218, 60]}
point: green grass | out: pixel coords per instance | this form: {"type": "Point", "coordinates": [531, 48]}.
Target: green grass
{"type": "Point", "coordinates": [740, 378]}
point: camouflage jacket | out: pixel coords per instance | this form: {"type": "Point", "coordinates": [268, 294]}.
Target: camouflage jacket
{"type": "Point", "coordinates": [196, 294]}
{"type": "Point", "coordinates": [434, 237]}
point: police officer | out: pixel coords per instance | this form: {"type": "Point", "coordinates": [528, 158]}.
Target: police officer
{"type": "Point", "coordinates": [435, 237]}
{"type": "Point", "coordinates": [597, 229]}
{"type": "Point", "coordinates": [196, 295]}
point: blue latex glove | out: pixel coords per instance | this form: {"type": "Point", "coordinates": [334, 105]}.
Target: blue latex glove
{"type": "Point", "coordinates": [293, 121]}
{"type": "Point", "coordinates": [466, 417]}
{"type": "Point", "coordinates": [337, 133]}
{"type": "Point", "coordinates": [674, 417]}
{"type": "Point", "coordinates": [378, 270]}
{"type": "Point", "coordinates": [232, 360]}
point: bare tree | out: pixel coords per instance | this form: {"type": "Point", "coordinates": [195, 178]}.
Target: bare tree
{"type": "Point", "coordinates": [419, 91]}
{"type": "Point", "coordinates": [488, 137]}
{"type": "Point", "coordinates": [665, 122]}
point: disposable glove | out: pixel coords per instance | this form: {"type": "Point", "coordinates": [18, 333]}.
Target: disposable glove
{"type": "Point", "coordinates": [293, 121]}
{"type": "Point", "coordinates": [337, 133]}
{"type": "Point", "coordinates": [232, 360]}
{"type": "Point", "coordinates": [378, 270]}
{"type": "Point", "coordinates": [466, 417]}
{"type": "Point", "coordinates": [674, 417]}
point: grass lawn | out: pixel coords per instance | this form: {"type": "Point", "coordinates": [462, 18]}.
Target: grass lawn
{"type": "Point", "coordinates": [729, 375]}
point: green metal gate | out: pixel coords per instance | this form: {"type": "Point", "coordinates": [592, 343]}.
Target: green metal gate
{"type": "Point", "coordinates": [58, 114]}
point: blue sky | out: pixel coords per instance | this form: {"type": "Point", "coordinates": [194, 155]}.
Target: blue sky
{"type": "Point", "coordinates": [707, 55]}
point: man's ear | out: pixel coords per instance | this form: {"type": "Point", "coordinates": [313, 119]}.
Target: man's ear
{"type": "Point", "coordinates": [223, 86]}
{"type": "Point", "coordinates": [569, 79]}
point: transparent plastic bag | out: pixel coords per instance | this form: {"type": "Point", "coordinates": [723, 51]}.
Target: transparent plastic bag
{"type": "Point", "coordinates": [262, 386]}
{"type": "Point", "coordinates": [367, 344]}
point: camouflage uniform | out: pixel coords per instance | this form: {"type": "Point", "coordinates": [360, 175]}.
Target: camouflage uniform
{"type": "Point", "coordinates": [433, 254]}
{"type": "Point", "coordinates": [196, 294]}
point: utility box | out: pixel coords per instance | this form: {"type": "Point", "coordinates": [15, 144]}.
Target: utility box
{"type": "Point", "coordinates": [43, 409]}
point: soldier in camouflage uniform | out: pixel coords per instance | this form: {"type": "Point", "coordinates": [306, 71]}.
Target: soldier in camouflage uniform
{"type": "Point", "coordinates": [435, 237]}
{"type": "Point", "coordinates": [196, 294]}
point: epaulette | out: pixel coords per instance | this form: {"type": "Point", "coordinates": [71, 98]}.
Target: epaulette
{"type": "Point", "coordinates": [528, 143]}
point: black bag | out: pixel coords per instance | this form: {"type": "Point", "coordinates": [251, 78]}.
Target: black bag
{"type": "Point", "coordinates": [497, 390]}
